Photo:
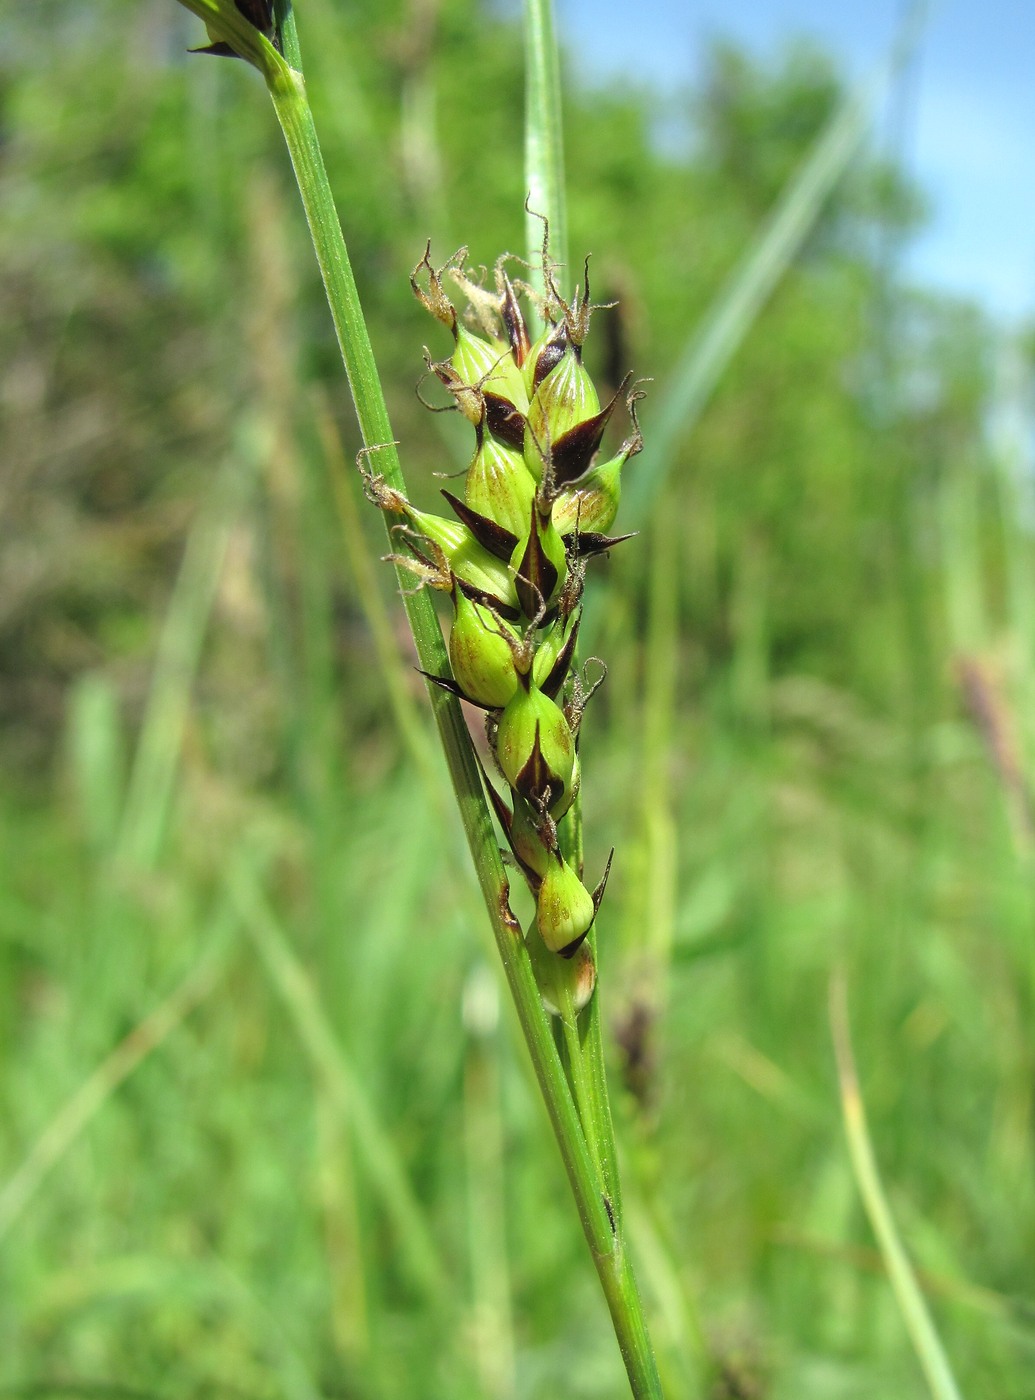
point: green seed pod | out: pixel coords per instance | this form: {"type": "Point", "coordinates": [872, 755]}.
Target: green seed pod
{"type": "Point", "coordinates": [482, 571]}
{"type": "Point", "coordinates": [564, 399]}
{"type": "Point", "coordinates": [561, 981]}
{"type": "Point", "coordinates": [564, 908]}
{"type": "Point", "coordinates": [535, 747]}
{"type": "Point", "coordinates": [466, 558]}
{"type": "Point", "coordinates": [499, 485]}
{"type": "Point", "coordinates": [490, 365]}
{"type": "Point", "coordinates": [481, 656]}
{"type": "Point", "coordinates": [592, 505]}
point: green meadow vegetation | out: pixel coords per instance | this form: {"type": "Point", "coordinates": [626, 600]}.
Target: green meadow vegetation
{"type": "Point", "coordinates": [267, 1125]}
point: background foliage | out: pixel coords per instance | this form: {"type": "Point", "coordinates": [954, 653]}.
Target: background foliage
{"type": "Point", "coordinates": [324, 1172]}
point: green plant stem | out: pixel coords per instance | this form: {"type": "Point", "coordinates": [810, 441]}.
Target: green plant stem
{"type": "Point", "coordinates": [544, 177]}
{"type": "Point", "coordinates": [287, 90]}
{"type": "Point", "coordinates": [544, 147]}
{"type": "Point", "coordinates": [581, 1082]}
{"type": "Point", "coordinates": [919, 1324]}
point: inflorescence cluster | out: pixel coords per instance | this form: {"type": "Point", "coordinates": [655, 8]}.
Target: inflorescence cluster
{"type": "Point", "coordinates": [537, 504]}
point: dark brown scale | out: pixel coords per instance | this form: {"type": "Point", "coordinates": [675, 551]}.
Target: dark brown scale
{"type": "Point", "coordinates": [590, 544]}
{"type": "Point", "coordinates": [517, 331]}
{"type": "Point", "coordinates": [551, 354]}
{"type": "Point", "coordinates": [537, 781]}
{"type": "Point", "coordinates": [536, 575]}
{"type": "Point", "coordinates": [489, 535]}
{"type": "Point", "coordinates": [257, 12]}
{"type": "Point", "coordinates": [505, 422]}
{"type": "Point", "coordinates": [573, 452]}
{"type": "Point", "coordinates": [553, 682]}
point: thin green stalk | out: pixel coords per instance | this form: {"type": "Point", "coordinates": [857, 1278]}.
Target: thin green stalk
{"type": "Point", "coordinates": [384, 1169]}
{"type": "Point", "coordinates": [580, 1078]}
{"type": "Point", "coordinates": [544, 178]}
{"type": "Point", "coordinates": [544, 143]}
{"type": "Point", "coordinates": [152, 780]}
{"type": "Point", "coordinates": [922, 1333]}
{"type": "Point", "coordinates": [287, 91]}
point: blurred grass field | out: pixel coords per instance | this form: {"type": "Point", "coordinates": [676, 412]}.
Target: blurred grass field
{"type": "Point", "coordinates": [265, 1129]}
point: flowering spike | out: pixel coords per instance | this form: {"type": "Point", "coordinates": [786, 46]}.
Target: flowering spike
{"type": "Point", "coordinates": [537, 504]}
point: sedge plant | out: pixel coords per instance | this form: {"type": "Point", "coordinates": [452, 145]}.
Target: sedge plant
{"type": "Point", "coordinates": [537, 505]}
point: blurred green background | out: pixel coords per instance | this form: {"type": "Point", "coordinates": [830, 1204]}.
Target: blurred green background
{"type": "Point", "coordinates": [265, 1126]}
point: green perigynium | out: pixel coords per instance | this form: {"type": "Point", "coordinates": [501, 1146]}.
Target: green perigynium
{"type": "Point", "coordinates": [535, 748]}
{"type": "Point", "coordinates": [481, 653]}
{"type": "Point", "coordinates": [536, 505]}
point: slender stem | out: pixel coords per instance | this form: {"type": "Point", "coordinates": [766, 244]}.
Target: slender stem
{"type": "Point", "coordinates": [544, 177]}
{"type": "Point", "coordinates": [544, 143]}
{"type": "Point", "coordinates": [287, 89]}
{"type": "Point", "coordinates": [578, 1070]}
{"type": "Point", "coordinates": [919, 1324]}
{"type": "Point", "coordinates": [285, 14]}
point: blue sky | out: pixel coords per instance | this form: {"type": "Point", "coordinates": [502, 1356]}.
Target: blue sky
{"type": "Point", "coordinates": [970, 136]}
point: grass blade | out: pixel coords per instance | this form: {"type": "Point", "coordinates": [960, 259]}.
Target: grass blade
{"type": "Point", "coordinates": [749, 286]}
{"type": "Point", "coordinates": [327, 1055]}
{"type": "Point", "coordinates": [95, 1091]}
{"type": "Point", "coordinates": [153, 774]}
{"type": "Point", "coordinates": [910, 1299]}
